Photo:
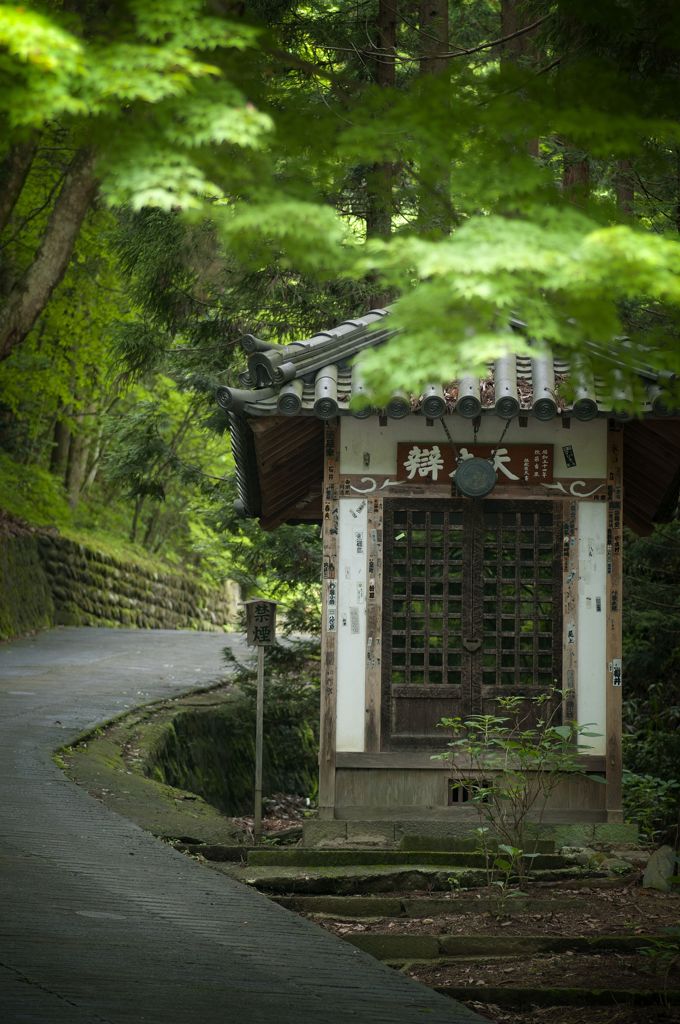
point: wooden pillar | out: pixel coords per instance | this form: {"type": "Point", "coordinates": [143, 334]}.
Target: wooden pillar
{"type": "Point", "coordinates": [374, 625]}
{"type": "Point", "coordinates": [614, 631]}
{"type": "Point", "coordinates": [329, 623]}
{"type": "Point", "coordinates": [570, 561]}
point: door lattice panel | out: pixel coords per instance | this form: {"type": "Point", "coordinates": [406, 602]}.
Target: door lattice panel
{"type": "Point", "coordinates": [427, 596]}
{"type": "Point", "coordinates": [472, 609]}
{"type": "Point", "coordinates": [521, 598]}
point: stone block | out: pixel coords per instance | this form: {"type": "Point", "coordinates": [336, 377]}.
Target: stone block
{"type": "Point", "coordinates": [572, 835]}
{"type": "Point", "coordinates": [324, 833]}
{"type": "Point", "coordinates": [617, 866]}
{"type": "Point", "coordinates": [434, 827]}
{"type": "Point", "coordinates": [582, 855]}
{"type": "Point", "coordinates": [635, 856]}
{"type": "Point", "coordinates": [660, 869]}
{"type": "Point", "coordinates": [612, 832]}
{"type": "Point", "coordinates": [368, 833]}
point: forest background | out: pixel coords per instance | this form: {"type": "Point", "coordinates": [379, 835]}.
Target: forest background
{"type": "Point", "coordinates": [176, 174]}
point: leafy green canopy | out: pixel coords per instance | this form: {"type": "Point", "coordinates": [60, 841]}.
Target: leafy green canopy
{"type": "Point", "coordinates": [143, 97]}
{"type": "Point", "coordinates": [211, 115]}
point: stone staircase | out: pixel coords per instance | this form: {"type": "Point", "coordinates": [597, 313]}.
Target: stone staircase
{"type": "Point", "coordinates": [425, 863]}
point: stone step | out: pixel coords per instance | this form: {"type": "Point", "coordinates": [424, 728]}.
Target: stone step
{"type": "Point", "coordinates": [214, 851]}
{"type": "Point", "coordinates": [528, 998]}
{"type": "Point", "coordinates": [378, 878]}
{"type": "Point", "coordinates": [398, 949]}
{"type": "Point", "coordinates": [454, 844]}
{"type": "Point", "coordinates": [388, 832]}
{"type": "Point", "coordinates": [357, 907]}
{"type": "Point", "coordinates": [302, 857]}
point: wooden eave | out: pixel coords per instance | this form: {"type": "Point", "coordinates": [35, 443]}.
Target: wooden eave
{"type": "Point", "coordinates": [651, 472]}
{"type": "Point", "coordinates": [289, 464]}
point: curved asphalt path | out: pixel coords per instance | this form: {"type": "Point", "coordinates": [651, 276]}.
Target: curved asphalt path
{"type": "Point", "coordinates": [99, 922]}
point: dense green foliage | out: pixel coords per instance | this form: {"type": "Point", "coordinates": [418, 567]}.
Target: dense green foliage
{"type": "Point", "coordinates": [265, 123]}
{"type": "Point", "coordinates": [652, 677]}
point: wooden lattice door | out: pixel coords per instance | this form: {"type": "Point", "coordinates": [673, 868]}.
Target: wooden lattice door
{"type": "Point", "coordinates": [472, 610]}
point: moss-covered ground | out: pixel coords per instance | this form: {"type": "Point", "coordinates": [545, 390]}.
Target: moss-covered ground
{"type": "Point", "coordinates": [111, 764]}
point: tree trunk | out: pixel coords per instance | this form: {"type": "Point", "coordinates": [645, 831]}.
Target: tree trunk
{"type": "Point", "coordinates": [151, 527]}
{"type": "Point", "coordinates": [135, 517]}
{"type": "Point", "coordinates": [677, 190]}
{"type": "Point", "coordinates": [94, 460]}
{"type": "Point", "coordinates": [434, 36]}
{"type": "Point", "coordinates": [434, 212]}
{"type": "Point", "coordinates": [13, 173]}
{"type": "Point", "coordinates": [576, 177]}
{"type": "Point", "coordinates": [379, 205]}
{"type": "Point", "coordinates": [30, 295]}
{"type": "Point", "coordinates": [575, 165]}
{"type": "Point", "coordinates": [520, 49]}
{"type": "Point", "coordinates": [79, 454]}
{"type": "Point", "coordinates": [625, 192]}
{"type": "Point", "coordinates": [75, 469]}
{"type": "Point", "coordinates": [514, 18]}
{"type": "Point", "coordinates": [60, 447]}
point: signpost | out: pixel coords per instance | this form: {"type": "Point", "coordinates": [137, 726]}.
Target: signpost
{"type": "Point", "coordinates": [261, 628]}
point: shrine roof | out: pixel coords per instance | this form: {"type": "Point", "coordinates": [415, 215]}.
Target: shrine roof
{"type": "Point", "coordinates": [317, 377]}
{"type": "Point", "coordinates": [287, 392]}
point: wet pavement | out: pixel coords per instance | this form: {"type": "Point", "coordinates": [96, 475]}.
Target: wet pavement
{"type": "Point", "coordinates": [100, 922]}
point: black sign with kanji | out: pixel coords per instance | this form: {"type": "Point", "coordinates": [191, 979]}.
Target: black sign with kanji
{"type": "Point", "coordinates": [261, 623]}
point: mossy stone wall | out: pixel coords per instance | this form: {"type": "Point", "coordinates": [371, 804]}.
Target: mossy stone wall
{"type": "Point", "coordinates": [50, 580]}
{"type": "Point", "coordinates": [26, 600]}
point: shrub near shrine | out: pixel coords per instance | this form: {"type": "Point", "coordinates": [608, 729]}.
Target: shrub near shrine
{"type": "Point", "coordinates": [506, 766]}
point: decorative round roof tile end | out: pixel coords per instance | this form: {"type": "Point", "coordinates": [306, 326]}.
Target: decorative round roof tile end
{"type": "Point", "coordinates": [544, 409]}
{"type": "Point", "coordinates": [469, 407]}
{"type": "Point", "coordinates": [326, 408]}
{"type": "Point", "coordinates": [433, 407]}
{"type": "Point", "coordinates": [398, 408]}
{"type": "Point", "coordinates": [585, 409]}
{"type": "Point", "coordinates": [507, 407]}
{"type": "Point", "coordinates": [223, 398]}
{"type": "Point", "coordinates": [289, 404]}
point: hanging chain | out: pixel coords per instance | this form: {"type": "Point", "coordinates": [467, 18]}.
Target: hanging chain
{"type": "Point", "coordinates": [505, 430]}
{"type": "Point", "coordinates": [476, 424]}
{"type": "Point", "coordinates": [451, 441]}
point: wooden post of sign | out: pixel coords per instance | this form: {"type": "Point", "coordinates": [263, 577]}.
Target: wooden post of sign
{"type": "Point", "coordinates": [261, 626]}
{"type": "Point", "coordinates": [614, 625]}
{"type": "Point", "coordinates": [259, 733]}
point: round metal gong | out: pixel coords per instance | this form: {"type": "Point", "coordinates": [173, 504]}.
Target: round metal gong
{"type": "Point", "coordinates": [475, 477]}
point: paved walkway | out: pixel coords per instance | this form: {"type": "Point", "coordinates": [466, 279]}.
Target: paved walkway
{"type": "Point", "coordinates": [99, 922]}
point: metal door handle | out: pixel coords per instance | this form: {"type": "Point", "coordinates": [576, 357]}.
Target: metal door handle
{"type": "Point", "coordinates": [472, 645]}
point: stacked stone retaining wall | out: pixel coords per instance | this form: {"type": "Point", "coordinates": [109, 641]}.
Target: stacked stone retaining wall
{"type": "Point", "coordinates": [47, 579]}
{"type": "Point", "coordinates": [26, 602]}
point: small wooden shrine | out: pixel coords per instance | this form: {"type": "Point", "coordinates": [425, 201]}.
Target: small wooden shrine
{"type": "Point", "coordinates": [472, 546]}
